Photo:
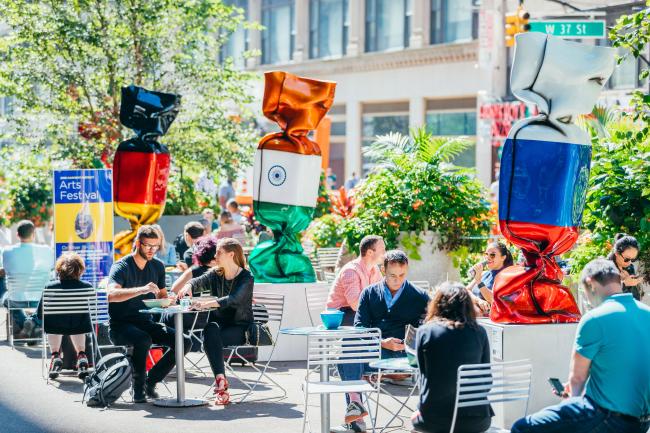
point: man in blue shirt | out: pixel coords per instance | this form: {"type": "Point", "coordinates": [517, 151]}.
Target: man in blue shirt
{"type": "Point", "coordinates": [23, 259]}
{"type": "Point", "coordinates": [389, 305]}
{"type": "Point", "coordinates": [609, 379]}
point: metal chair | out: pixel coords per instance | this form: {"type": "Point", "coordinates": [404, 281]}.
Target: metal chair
{"type": "Point", "coordinates": [59, 302]}
{"type": "Point", "coordinates": [499, 382]}
{"type": "Point", "coordinates": [424, 285]}
{"type": "Point", "coordinates": [327, 258]}
{"type": "Point", "coordinates": [24, 290]}
{"type": "Point", "coordinates": [269, 308]}
{"type": "Point", "coordinates": [326, 349]}
{"type": "Point", "coordinates": [316, 298]}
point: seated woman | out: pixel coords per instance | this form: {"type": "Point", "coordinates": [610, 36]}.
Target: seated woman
{"type": "Point", "coordinates": [497, 258]}
{"type": "Point", "coordinates": [232, 284]}
{"type": "Point", "coordinates": [449, 338]}
{"type": "Point", "coordinates": [69, 268]}
{"type": "Point", "coordinates": [624, 253]}
{"type": "Point", "coordinates": [230, 229]}
{"type": "Point", "coordinates": [167, 251]}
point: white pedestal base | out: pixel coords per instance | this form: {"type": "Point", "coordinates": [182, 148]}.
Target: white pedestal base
{"type": "Point", "coordinates": [548, 347]}
{"type": "Point", "coordinates": [296, 314]}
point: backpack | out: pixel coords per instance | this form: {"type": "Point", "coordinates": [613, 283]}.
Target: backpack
{"type": "Point", "coordinates": [110, 378]}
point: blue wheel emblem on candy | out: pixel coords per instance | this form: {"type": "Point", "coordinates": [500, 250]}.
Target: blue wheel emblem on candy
{"type": "Point", "coordinates": [277, 175]}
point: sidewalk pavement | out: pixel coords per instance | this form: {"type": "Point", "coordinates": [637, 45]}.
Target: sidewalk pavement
{"type": "Point", "coordinates": [29, 405]}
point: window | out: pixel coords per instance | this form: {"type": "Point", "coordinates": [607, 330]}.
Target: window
{"type": "Point", "coordinates": [454, 123]}
{"type": "Point", "coordinates": [380, 119]}
{"type": "Point", "coordinates": [337, 142]}
{"type": "Point", "coordinates": [279, 33]}
{"type": "Point", "coordinates": [626, 74]}
{"type": "Point", "coordinates": [453, 21]}
{"type": "Point", "coordinates": [237, 42]}
{"type": "Point", "coordinates": [328, 28]}
{"type": "Point", "coordinates": [388, 24]}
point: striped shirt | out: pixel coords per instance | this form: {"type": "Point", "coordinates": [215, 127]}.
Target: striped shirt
{"type": "Point", "coordinates": [352, 279]}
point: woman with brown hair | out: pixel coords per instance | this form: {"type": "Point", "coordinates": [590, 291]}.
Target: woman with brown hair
{"type": "Point", "coordinates": [232, 285]}
{"type": "Point", "coordinates": [451, 337]}
{"type": "Point", "coordinates": [69, 268]}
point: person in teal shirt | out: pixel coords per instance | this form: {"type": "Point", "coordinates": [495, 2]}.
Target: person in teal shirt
{"type": "Point", "coordinates": [609, 379]}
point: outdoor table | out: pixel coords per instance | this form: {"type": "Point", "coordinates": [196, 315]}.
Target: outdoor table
{"type": "Point", "coordinates": [324, 369]}
{"type": "Point", "coordinates": [180, 400]}
{"type": "Point", "coordinates": [395, 365]}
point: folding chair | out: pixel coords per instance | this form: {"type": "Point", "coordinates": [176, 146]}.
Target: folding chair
{"type": "Point", "coordinates": [316, 298]}
{"type": "Point", "coordinates": [24, 290]}
{"type": "Point", "coordinates": [499, 382]}
{"type": "Point", "coordinates": [327, 258]}
{"type": "Point", "coordinates": [59, 302]}
{"type": "Point", "coordinates": [325, 349]}
{"type": "Point", "coordinates": [424, 285]}
{"type": "Point", "coordinates": [267, 308]}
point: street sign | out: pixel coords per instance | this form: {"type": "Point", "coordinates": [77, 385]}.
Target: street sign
{"type": "Point", "coordinates": [570, 29]}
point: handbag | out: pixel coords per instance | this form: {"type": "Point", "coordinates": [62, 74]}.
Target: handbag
{"type": "Point", "coordinates": [258, 332]}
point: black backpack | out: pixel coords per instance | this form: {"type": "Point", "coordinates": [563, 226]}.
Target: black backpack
{"type": "Point", "coordinates": [110, 378]}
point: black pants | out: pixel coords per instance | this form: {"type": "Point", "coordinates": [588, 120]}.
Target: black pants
{"type": "Point", "coordinates": [141, 336]}
{"type": "Point", "coordinates": [442, 425]}
{"type": "Point", "coordinates": [216, 337]}
{"type": "Point", "coordinates": [348, 316]}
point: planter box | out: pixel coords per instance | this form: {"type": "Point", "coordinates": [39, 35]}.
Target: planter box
{"type": "Point", "coordinates": [435, 265]}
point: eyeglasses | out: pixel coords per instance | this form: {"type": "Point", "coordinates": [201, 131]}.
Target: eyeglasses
{"type": "Point", "coordinates": [150, 247]}
{"type": "Point", "coordinates": [490, 255]}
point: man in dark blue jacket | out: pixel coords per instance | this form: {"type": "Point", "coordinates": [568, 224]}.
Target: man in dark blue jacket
{"type": "Point", "coordinates": [389, 305]}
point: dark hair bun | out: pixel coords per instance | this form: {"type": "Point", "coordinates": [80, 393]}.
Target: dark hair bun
{"type": "Point", "coordinates": [619, 236]}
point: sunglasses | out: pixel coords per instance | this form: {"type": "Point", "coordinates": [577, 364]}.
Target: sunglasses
{"type": "Point", "coordinates": [628, 260]}
{"type": "Point", "coordinates": [490, 255]}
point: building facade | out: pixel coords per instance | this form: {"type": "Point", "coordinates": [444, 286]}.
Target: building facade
{"type": "Point", "coordinates": [401, 64]}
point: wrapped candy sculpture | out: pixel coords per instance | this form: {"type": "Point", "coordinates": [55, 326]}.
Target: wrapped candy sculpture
{"type": "Point", "coordinates": [545, 172]}
{"type": "Point", "coordinates": [141, 165]}
{"type": "Point", "coordinates": [286, 175]}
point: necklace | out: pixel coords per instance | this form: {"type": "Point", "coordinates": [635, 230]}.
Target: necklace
{"type": "Point", "coordinates": [232, 282]}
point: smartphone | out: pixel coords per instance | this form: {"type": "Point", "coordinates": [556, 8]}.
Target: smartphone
{"type": "Point", "coordinates": [558, 387]}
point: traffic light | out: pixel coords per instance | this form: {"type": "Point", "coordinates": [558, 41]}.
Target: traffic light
{"type": "Point", "coordinates": [516, 22]}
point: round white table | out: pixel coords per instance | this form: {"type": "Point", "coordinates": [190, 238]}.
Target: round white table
{"type": "Point", "coordinates": [180, 400]}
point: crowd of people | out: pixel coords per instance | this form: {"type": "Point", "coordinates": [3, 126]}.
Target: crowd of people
{"type": "Point", "coordinates": [608, 388]}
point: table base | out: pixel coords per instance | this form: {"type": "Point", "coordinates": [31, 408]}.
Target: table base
{"type": "Point", "coordinates": [172, 402]}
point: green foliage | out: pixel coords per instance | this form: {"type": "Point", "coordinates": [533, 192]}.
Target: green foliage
{"type": "Point", "coordinates": [324, 231]}
{"type": "Point", "coordinates": [65, 62]}
{"type": "Point", "coordinates": [26, 188]}
{"type": "Point", "coordinates": [618, 197]}
{"type": "Point", "coordinates": [183, 198]}
{"type": "Point", "coordinates": [415, 189]}
{"type": "Point", "coordinates": [323, 203]}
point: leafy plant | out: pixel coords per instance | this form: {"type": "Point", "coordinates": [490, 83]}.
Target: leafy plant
{"type": "Point", "coordinates": [414, 188]}
{"type": "Point", "coordinates": [342, 202]}
{"type": "Point", "coordinates": [183, 198]}
{"type": "Point", "coordinates": [323, 204]}
{"type": "Point", "coordinates": [324, 231]}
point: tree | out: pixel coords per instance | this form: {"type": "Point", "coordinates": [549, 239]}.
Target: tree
{"type": "Point", "coordinates": [65, 62]}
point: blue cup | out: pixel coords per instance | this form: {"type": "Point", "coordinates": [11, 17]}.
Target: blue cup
{"type": "Point", "coordinates": [332, 319]}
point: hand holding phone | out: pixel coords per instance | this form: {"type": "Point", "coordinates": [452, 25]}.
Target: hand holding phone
{"type": "Point", "coordinates": [558, 388]}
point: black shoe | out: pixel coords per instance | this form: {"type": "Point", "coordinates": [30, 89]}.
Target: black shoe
{"type": "Point", "coordinates": [150, 390]}
{"type": "Point", "coordinates": [56, 365]}
{"type": "Point", "coordinates": [139, 394]}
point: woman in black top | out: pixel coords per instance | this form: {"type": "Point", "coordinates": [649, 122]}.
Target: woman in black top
{"type": "Point", "coordinates": [624, 253]}
{"type": "Point", "coordinates": [232, 285]}
{"type": "Point", "coordinates": [450, 338]}
{"type": "Point", "coordinates": [69, 268]}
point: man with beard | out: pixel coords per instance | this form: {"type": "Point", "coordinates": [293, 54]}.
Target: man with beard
{"type": "Point", "coordinates": [133, 278]}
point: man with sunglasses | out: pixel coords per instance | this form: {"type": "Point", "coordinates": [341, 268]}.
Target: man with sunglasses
{"type": "Point", "coordinates": [133, 278]}
{"type": "Point", "coordinates": [609, 378]}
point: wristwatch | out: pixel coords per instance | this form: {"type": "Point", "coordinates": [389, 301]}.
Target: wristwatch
{"type": "Point", "coordinates": [481, 285]}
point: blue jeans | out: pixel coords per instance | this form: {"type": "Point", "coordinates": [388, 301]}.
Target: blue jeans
{"type": "Point", "coordinates": [577, 415]}
{"type": "Point", "coordinates": [18, 314]}
{"type": "Point", "coordinates": [356, 371]}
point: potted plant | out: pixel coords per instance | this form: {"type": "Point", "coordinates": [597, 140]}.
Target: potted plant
{"type": "Point", "coordinates": [419, 201]}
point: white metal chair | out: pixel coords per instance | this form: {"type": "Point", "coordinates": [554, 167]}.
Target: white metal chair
{"type": "Point", "coordinates": [24, 290]}
{"type": "Point", "coordinates": [326, 349]}
{"type": "Point", "coordinates": [316, 298]}
{"type": "Point", "coordinates": [499, 382]}
{"type": "Point", "coordinates": [269, 308]}
{"type": "Point", "coordinates": [59, 302]}
{"type": "Point", "coordinates": [424, 285]}
{"type": "Point", "coordinates": [327, 258]}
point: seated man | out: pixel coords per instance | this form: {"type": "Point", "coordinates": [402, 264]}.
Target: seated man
{"type": "Point", "coordinates": [609, 378]}
{"type": "Point", "coordinates": [192, 232]}
{"type": "Point", "coordinates": [22, 259]}
{"type": "Point", "coordinates": [389, 305]}
{"type": "Point", "coordinates": [133, 278]}
{"type": "Point", "coordinates": [355, 276]}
